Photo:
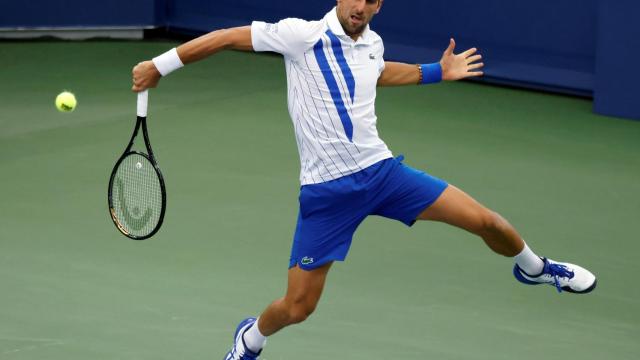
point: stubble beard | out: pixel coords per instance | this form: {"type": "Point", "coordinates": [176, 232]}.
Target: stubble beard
{"type": "Point", "coordinates": [352, 31]}
{"type": "Point", "coordinates": [357, 32]}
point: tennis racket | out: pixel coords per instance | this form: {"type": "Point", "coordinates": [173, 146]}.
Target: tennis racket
{"type": "Point", "coordinates": [137, 196]}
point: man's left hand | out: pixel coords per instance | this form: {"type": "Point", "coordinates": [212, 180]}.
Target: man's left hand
{"type": "Point", "coordinates": [460, 66]}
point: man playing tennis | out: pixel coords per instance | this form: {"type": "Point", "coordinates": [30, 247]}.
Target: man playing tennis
{"type": "Point", "coordinates": [333, 67]}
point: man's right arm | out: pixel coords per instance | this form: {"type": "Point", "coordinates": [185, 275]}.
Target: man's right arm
{"type": "Point", "coordinates": [146, 74]}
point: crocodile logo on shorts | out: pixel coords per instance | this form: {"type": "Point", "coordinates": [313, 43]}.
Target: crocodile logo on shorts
{"type": "Point", "coordinates": [306, 260]}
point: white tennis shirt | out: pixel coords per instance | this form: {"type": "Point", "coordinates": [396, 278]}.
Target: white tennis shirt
{"type": "Point", "coordinates": [331, 83]}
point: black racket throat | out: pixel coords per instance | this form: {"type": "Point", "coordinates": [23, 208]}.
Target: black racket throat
{"type": "Point", "coordinates": [141, 123]}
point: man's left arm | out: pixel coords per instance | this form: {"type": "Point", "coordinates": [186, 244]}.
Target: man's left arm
{"type": "Point", "coordinates": [451, 67]}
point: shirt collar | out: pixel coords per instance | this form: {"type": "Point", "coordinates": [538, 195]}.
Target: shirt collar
{"type": "Point", "coordinates": [336, 28]}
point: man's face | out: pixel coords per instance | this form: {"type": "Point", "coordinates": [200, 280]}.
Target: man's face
{"type": "Point", "coordinates": [354, 15]}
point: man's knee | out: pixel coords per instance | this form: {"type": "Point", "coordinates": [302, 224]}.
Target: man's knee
{"type": "Point", "coordinates": [491, 223]}
{"type": "Point", "coordinates": [303, 292]}
{"type": "Point", "coordinates": [299, 314]}
{"type": "Point", "coordinates": [300, 310]}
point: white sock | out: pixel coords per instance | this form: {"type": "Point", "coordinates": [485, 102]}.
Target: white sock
{"type": "Point", "coordinates": [254, 339]}
{"type": "Point", "coordinates": [529, 262]}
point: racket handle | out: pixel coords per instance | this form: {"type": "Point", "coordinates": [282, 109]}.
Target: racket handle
{"type": "Point", "coordinates": [143, 101]}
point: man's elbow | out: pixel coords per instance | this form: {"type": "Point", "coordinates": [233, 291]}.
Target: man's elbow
{"type": "Point", "coordinates": [238, 38]}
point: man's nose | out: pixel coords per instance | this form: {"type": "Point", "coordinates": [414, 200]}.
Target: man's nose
{"type": "Point", "coordinates": [359, 5]}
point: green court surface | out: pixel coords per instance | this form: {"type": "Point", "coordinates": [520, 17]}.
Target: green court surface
{"type": "Point", "coordinates": [73, 288]}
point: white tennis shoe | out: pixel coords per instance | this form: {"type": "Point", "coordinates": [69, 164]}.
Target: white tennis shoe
{"type": "Point", "coordinates": [564, 276]}
{"type": "Point", "coordinates": [240, 351]}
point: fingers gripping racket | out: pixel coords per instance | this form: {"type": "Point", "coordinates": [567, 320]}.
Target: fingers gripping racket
{"type": "Point", "coordinates": [137, 196]}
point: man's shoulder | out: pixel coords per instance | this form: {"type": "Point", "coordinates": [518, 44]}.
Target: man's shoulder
{"type": "Point", "coordinates": [302, 22]}
{"type": "Point", "coordinates": [304, 28]}
{"type": "Point", "coordinates": [290, 37]}
{"type": "Point", "coordinates": [302, 34]}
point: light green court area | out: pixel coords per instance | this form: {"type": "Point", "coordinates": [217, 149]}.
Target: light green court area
{"type": "Point", "coordinates": [73, 288]}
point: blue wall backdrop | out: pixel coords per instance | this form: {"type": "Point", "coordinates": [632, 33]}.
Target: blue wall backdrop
{"type": "Point", "coordinates": [525, 41]}
{"type": "Point", "coordinates": [76, 13]}
{"type": "Point", "coordinates": [568, 46]}
{"type": "Point", "coordinates": [617, 76]}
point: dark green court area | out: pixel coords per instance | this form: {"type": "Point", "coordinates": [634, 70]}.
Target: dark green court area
{"type": "Point", "coordinates": [73, 288]}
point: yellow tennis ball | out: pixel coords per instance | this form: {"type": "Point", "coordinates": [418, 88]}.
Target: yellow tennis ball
{"type": "Point", "coordinates": [66, 101]}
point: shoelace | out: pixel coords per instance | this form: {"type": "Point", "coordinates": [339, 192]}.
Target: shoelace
{"type": "Point", "coordinates": [558, 271]}
{"type": "Point", "coordinates": [243, 354]}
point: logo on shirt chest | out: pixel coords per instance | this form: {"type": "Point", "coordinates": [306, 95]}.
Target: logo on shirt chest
{"type": "Point", "coordinates": [371, 56]}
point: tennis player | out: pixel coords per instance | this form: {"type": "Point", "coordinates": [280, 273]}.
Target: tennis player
{"type": "Point", "coordinates": [333, 67]}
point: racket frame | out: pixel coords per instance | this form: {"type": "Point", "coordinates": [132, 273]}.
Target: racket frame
{"type": "Point", "coordinates": [141, 122]}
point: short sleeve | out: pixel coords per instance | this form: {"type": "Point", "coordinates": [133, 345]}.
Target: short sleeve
{"type": "Point", "coordinates": [381, 61]}
{"type": "Point", "coordinates": [289, 37]}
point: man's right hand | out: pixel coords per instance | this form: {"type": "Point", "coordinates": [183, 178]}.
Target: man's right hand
{"type": "Point", "coordinates": [145, 76]}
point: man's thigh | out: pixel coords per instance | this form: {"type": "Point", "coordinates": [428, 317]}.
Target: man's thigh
{"type": "Point", "coordinates": [457, 208]}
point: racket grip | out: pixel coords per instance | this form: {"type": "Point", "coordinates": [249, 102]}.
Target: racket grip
{"type": "Point", "coordinates": [143, 101]}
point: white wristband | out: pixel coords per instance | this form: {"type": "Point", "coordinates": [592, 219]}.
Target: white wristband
{"type": "Point", "coordinates": [168, 62]}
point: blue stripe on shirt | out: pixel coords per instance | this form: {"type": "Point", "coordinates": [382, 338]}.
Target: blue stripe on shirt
{"type": "Point", "coordinates": [321, 58]}
{"type": "Point", "coordinates": [346, 71]}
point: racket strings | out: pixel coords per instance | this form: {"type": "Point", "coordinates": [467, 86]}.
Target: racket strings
{"type": "Point", "coordinates": [137, 196]}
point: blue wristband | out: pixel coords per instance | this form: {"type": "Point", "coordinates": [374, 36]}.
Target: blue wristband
{"type": "Point", "coordinates": [431, 73]}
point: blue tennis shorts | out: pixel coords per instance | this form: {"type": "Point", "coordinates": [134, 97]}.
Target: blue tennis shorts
{"type": "Point", "coordinates": [330, 212]}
